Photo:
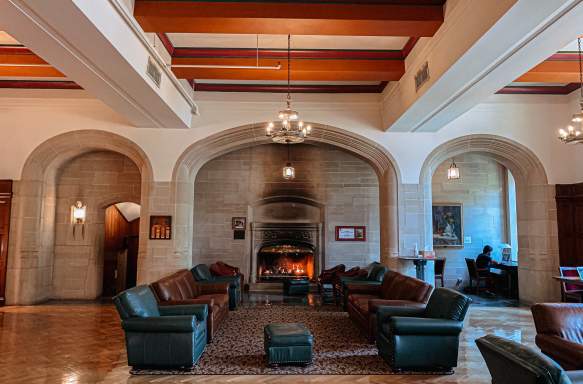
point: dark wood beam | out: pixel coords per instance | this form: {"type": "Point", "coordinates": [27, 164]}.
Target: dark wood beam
{"type": "Point", "coordinates": [302, 70]}
{"type": "Point", "coordinates": [539, 89]}
{"type": "Point", "coordinates": [39, 84]}
{"type": "Point", "coordinates": [281, 54]}
{"type": "Point", "coordinates": [307, 18]}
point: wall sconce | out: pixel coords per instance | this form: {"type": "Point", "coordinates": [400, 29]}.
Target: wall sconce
{"type": "Point", "coordinates": [78, 217]}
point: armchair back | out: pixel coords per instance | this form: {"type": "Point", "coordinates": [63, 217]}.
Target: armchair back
{"type": "Point", "coordinates": [447, 304]}
{"type": "Point", "coordinates": [564, 320]}
{"type": "Point", "coordinates": [202, 272]}
{"type": "Point", "coordinates": [136, 302]}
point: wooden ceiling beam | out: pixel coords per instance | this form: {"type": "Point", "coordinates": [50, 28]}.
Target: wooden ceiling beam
{"type": "Point", "coordinates": [379, 19]}
{"type": "Point", "coordinates": [552, 71]}
{"type": "Point", "coordinates": [302, 70]}
{"type": "Point", "coordinates": [21, 62]}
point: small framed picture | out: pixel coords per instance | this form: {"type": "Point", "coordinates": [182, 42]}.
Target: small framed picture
{"type": "Point", "coordinates": [160, 227]}
{"type": "Point", "coordinates": [350, 233]}
{"type": "Point", "coordinates": [239, 223]}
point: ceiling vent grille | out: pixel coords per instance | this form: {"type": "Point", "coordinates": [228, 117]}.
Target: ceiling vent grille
{"type": "Point", "coordinates": [154, 72]}
{"type": "Point", "coordinates": [422, 76]}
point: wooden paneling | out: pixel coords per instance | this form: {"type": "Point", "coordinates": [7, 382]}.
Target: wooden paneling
{"type": "Point", "coordinates": [570, 224]}
{"type": "Point", "coordinates": [5, 205]}
{"type": "Point", "coordinates": [120, 235]}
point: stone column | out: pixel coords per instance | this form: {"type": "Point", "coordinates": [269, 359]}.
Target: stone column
{"type": "Point", "coordinates": [389, 223]}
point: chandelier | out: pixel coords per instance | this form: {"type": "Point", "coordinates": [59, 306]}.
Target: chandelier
{"type": "Point", "coordinates": [290, 129]}
{"type": "Point", "coordinates": [573, 132]}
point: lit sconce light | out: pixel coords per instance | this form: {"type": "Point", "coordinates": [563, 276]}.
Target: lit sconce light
{"type": "Point", "coordinates": [78, 217]}
{"type": "Point", "coordinates": [453, 172]}
{"type": "Point", "coordinates": [289, 172]}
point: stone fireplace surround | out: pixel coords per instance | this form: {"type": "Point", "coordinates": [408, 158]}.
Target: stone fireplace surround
{"type": "Point", "coordinates": [263, 234]}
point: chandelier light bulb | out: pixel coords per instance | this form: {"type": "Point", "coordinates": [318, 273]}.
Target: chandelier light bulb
{"type": "Point", "coordinates": [301, 124]}
{"type": "Point", "coordinates": [309, 129]}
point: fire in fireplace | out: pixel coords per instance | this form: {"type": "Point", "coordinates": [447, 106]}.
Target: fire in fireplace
{"type": "Point", "coordinates": [285, 261]}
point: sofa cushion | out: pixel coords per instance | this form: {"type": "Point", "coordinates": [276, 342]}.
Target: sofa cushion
{"type": "Point", "coordinates": [408, 288]}
{"type": "Point", "coordinates": [374, 304]}
{"type": "Point", "coordinates": [167, 289]}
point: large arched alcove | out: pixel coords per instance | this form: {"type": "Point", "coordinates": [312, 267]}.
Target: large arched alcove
{"type": "Point", "coordinates": [535, 205]}
{"type": "Point", "coordinates": [32, 240]}
{"type": "Point", "coordinates": [198, 154]}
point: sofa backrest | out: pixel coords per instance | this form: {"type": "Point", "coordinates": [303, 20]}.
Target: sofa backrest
{"type": "Point", "coordinates": [136, 302]}
{"type": "Point", "coordinates": [201, 272]}
{"type": "Point", "coordinates": [512, 363]}
{"type": "Point", "coordinates": [448, 304]}
{"type": "Point", "coordinates": [178, 286]}
{"type": "Point", "coordinates": [559, 319]}
{"type": "Point", "coordinates": [397, 286]}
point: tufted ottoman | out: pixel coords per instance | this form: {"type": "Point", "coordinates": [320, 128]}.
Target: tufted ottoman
{"type": "Point", "coordinates": [296, 287]}
{"type": "Point", "coordinates": [288, 343]}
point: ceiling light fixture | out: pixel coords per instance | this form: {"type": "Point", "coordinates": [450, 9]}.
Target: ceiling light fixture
{"type": "Point", "coordinates": [453, 172]}
{"type": "Point", "coordinates": [289, 172]}
{"type": "Point", "coordinates": [290, 129]}
{"type": "Point", "coordinates": [573, 132]}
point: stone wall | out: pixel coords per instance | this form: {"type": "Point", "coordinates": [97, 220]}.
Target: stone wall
{"type": "Point", "coordinates": [482, 190]}
{"type": "Point", "coordinates": [98, 179]}
{"type": "Point", "coordinates": [334, 187]}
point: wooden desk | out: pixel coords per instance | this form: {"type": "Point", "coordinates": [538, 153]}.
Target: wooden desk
{"type": "Point", "coordinates": [569, 280]}
{"type": "Point", "coordinates": [511, 275]}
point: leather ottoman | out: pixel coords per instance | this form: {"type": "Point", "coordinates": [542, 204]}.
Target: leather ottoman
{"type": "Point", "coordinates": [288, 343]}
{"type": "Point", "coordinates": [296, 287]}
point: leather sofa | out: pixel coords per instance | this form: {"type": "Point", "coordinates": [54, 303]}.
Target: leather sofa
{"type": "Point", "coordinates": [372, 275]}
{"type": "Point", "coordinates": [363, 300]}
{"type": "Point", "coordinates": [513, 363]}
{"type": "Point", "coordinates": [559, 329]}
{"type": "Point", "coordinates": [203, 275]}
{"type": "Point", "coordinates": [160, 337]}
{"type": "Point", "coordinates": [328, 275]}
{"type": "Point", "coordinates": [423, 339]}
{"type": "Point", "coordinates": [180, 288]}
{"type": "Point", "coordinates": [223, 269]}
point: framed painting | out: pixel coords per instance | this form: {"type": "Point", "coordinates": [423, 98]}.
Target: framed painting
{"type": "Point", "coordinates": [350, 233]}
{"type": "Point", "coordinates": [448, 228]}
{"type": "Point", "coordinates": [160, 227]}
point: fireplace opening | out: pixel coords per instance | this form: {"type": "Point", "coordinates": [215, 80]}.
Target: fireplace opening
{"type": "Point", "coordinates": [285, 261]}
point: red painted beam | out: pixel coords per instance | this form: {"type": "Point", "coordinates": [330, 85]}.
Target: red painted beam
{"type": "Point", "coordinates": [308, 18]}
{"type": "Point", "coordinates": [39, 84]}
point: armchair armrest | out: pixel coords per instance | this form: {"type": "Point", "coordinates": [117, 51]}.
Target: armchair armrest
{"type": "Point", "coordinates": [385, 312]}
{"type": "Point", "coordinates": [212, 287]}
{"type": "Point", "coordinates": [422, 326]}
{"type": "Point", "coordinates": [200, 310]}
{"type": "Point", "coordinates": [174, 324]}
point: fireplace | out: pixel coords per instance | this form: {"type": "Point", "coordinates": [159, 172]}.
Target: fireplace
{"type": "Point", "coordinates": [285, 260]}
{"type": "Point", "coordinates": [283, 251]}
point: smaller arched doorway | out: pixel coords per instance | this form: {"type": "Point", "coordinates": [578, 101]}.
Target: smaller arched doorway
{"type": "Point", "coordinates": [120, 247]}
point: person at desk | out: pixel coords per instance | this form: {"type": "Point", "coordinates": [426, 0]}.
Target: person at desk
{"type": "Point", "coordinates": [484, 259]}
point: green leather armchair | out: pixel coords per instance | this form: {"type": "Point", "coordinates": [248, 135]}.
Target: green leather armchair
{"type": "Point", "coordinates": [374, 276]}
{"type": "Point", "coordinates": [203, 275]}
{"type": "Point", "coordinates": [512, 363]}
{"type": "Point", "coordinates": [161, 337]}
{"type": "Point", "coordinates": [423, 339]}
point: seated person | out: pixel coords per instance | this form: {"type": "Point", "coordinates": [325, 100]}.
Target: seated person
{"type": "Point", "coordinates": [484, 259]}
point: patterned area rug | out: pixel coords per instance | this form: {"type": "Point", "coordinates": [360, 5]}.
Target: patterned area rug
{"type": "Point", "coordinates": [237, 349]}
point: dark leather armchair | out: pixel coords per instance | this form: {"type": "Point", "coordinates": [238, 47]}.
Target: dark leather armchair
{"type": "Point", "coordinates": [373, 276]}
{"type": "Point", "coordinates": [203, 275]}
{"type": "Point", "coordinates": [513, 363]}
{"type": "Point", "coordinates": [559, 329]}
{"type": "Point", "coordinates": [180, 288]}
{"type": "Point", "coordinates": [223, 269]}
{"type": "Point", "coordinates": [163, 337]}
{"type": "Point", "coordinates": [396, 290]}
{"type": "Point", "coordinates": [421, 339]}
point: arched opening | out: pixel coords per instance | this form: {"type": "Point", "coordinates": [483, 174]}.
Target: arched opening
{"type": "Point", "coordinates": [120, 247]}
{"type": "Point", "coordinates": [238, 146]}
{"type": "Point", "coordinates": [535, 219]}
{"type": "Point", "coordinates": [97, 169]}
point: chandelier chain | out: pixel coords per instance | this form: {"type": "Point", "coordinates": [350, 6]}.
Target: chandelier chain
{"type": "Point", "coordinates": [580, 68]}
{"type": "Point", "coordinates": [288, 68]}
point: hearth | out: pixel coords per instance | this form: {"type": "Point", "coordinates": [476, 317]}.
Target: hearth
{"type": "Point", "coordinates": [285, 261]}
{"type": "Point", "coordinates": [283, 251]}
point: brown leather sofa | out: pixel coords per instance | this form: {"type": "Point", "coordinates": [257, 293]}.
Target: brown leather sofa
{"type": "Point", "coordinates": [180, 288]}
{"type": "Point", "coordinates": [559, 333]}
{"type": "Point", "coordinates": [396, 290]}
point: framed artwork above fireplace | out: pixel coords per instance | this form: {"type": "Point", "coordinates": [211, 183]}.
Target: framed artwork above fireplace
{"type": "Point", "coordinates": [350, 233]}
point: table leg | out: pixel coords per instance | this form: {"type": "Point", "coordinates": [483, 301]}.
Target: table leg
{"type": "Point", "coordinates": [420, 268]}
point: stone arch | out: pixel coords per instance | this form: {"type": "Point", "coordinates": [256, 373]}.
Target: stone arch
{"type": "Point", "coordinates": [29, 277]}
{"type": "Point", "coordinates": [537, 226]}
{"type": "Point", "coordinates": [199, 153]}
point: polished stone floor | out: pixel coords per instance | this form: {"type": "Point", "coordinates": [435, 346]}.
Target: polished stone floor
{"type": "Point", "coordinates": [83, 343]}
